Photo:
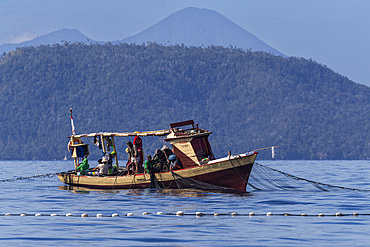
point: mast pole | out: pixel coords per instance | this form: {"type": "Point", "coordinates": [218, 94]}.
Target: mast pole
{"type": "Point", "coordinates": [75, 159]}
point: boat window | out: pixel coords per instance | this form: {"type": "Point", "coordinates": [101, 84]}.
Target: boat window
{"type": "Point", "coordinates": [202, 148]}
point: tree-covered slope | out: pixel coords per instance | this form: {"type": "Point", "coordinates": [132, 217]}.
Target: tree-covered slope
{"type": "Point", "coordinates": [248, 99]}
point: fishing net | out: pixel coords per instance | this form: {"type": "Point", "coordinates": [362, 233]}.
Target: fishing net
{"type": "Point", "coordinates": [262, 178]}
{"type": "Point", "coordinates": [266, 178]}
{"type": "Point", "coordinates": [181, 182]}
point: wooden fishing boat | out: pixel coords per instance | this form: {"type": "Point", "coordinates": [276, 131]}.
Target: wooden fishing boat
{"type": "Point", "coordinates": [192, 148]}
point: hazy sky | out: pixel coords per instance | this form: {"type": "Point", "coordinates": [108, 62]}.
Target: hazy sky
{"type": "Point", "coordinates": [332, 32]}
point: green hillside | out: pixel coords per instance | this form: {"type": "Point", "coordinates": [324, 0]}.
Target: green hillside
{"type": "Point", "coordinates": [249, 100]}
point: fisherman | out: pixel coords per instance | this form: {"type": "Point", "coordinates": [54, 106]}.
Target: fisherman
{"type": "Point", "coordinates": [102, 167]}
{"type": "Point", "coordinates": [138, 144]}
{"type": "Point", "coordinates": [175, 163]}
{"type": "Point", "coordinates": [82, 168]}
{"type": "Point", "coordinates": [149, 164]}
{"type": "Point", "coordinates": [131, 161]}
{"type": "Point", "coordinates": [167, 151]}
{"type": "Point", "coordinates": [109, 157]}
{"type": "Point", "coordinates": [113, 155]}
{"type": "Point", "coordinates": [160, 157]}
{"type": "Point", "coordinates": [151, 167]}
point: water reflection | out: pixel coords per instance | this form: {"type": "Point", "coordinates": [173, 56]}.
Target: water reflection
{"type": "Point", "coordinates": [180, 192]}
{"type": "Point", "coordinates": [152, 192]}
{"type": "Point", "coordinates": [84, 190]}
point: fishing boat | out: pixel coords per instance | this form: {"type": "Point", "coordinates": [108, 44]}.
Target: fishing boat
{"type": "Point", "coordinates": [190, 144]}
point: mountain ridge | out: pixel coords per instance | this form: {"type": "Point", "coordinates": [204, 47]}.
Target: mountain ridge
{"type": "Point", "coordinates": [56, 37]}
{"type": "Point", "coordinates": [200, 27]}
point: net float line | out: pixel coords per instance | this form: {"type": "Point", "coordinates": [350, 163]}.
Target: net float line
{"type": "Point", "coordinates": [182, 214]}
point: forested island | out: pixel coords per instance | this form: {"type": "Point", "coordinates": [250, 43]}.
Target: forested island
{"type": "Point", "coordinates": [249, 100]}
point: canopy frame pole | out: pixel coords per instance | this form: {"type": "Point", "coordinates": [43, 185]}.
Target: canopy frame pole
{"type": "Point", "coordinates": [103, 143]}
{"type": "Point", "coordinates": [114, 149]}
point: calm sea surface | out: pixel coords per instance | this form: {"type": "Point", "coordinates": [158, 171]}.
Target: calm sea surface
{"type": "Point", "coordinates": [49, 196]}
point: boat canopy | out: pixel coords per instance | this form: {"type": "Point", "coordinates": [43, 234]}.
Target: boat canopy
{"type": "Point", "coordinates": [174, 129]}
{"type": "Point", "coordinates": [124, 134]}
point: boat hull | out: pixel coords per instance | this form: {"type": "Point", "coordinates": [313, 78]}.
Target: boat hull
{"type": "Point", "coordinates": [225, 173]}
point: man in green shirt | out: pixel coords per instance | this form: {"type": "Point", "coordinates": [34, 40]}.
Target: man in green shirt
{"type": "Point", "coordinates": [82, 168]}
{"type": "Point", "coordinates": [149, 163]}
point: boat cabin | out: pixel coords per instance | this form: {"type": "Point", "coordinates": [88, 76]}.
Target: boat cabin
{"type": "Point", "coordinates": [190, 145]}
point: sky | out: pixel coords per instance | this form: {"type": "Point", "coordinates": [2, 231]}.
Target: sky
{"type": "Point", "coordinates": [334, 33]}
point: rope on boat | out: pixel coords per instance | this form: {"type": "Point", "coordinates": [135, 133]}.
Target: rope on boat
{"type": "Point", "coordinates": [177, 183]}
{"type": "Point", "coordinates": [263, 177]}
{"type": "Point", "coordinates": [132, 181]}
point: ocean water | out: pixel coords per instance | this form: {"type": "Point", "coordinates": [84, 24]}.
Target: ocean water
{"type": "Point", "coordinates": [47, 195]}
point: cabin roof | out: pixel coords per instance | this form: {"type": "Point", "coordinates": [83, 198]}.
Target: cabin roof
{"type": "Point", "coordinates": [186, 134]}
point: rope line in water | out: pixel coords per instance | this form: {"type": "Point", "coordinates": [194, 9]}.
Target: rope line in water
{"type": "Point", "coordinates": [318, 185]}
{"type": "Point", "coordinates": [35, 176]}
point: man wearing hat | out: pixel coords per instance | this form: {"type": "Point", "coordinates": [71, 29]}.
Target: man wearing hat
{"type": "Point", "coordinates": [175, 163]}
{"type": "Point", "coordinates": [103, 166]}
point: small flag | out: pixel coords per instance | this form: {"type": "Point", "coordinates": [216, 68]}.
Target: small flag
{"type": "Point", "coordinates": [73, 126]}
